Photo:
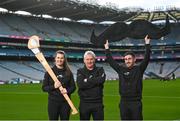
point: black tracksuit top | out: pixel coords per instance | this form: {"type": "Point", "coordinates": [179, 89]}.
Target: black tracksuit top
{"type": "Point", "coordinates": [90, 84]}
{"type": "Point", "coordinates": [66, 81]}
{"type": "Point", "coordinates": [130, 80]}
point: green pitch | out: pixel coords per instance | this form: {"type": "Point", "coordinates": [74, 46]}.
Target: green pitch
{"type": "Point", "coordinates": [161, 101]}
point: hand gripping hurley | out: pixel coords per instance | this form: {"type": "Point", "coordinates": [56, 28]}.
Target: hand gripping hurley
{"type": "Point", "coordinates": [33, 45]}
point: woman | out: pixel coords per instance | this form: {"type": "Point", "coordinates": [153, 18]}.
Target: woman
{"type": "Point", "coordinates": [57, 105]}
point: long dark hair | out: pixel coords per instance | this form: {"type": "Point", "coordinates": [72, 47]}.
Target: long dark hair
{"type": "Point", "coordinates": [65, 64]}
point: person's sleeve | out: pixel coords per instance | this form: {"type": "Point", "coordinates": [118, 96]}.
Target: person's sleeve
{"type": "Point", "coordinates": [99, 78]}
{"type": "Point", "coordinates": [111, 61]}
{"type": "Point", "coordinates": [145, 61]}
{"type": "Point", "coordinates": [72, 87]}
{"type": "Point", "coordinates": [47, 86]}
{"type": "Point", "coordinates": [84, 82]}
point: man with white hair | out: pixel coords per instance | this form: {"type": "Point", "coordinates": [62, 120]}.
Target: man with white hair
{"type": "Point", "coordinates": [90, 80]}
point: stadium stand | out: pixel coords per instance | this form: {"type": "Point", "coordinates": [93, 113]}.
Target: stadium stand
{"type": "Point", "coordinates": [29, 70]}
{"type": "Point", "coordinates": [10, 70]}
{"type": "Point", "coordinates": [73, 37]}
{"type": "Point", "coordinates": [70, 31]}
{"type": "Point", "coordinates": [33, 70]}
{"type": "Point", "coordinates": [163, 68]}
{"type": "Point", "coordinates": [45, 28]}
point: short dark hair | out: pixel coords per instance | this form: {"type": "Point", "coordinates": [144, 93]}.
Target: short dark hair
{"type": "Point", "coordinates": [130, 53]}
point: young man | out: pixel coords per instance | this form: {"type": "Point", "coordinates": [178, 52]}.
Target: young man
{"type": "Point", "coordinates": [90, 80]}
{"type": "Point", "coordinates": [130, 82]}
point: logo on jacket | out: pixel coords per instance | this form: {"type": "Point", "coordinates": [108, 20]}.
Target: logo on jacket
{"type": "Point", "coordinates": [59, 76]}
{"type": "Point", "coordinates": [126, 73]}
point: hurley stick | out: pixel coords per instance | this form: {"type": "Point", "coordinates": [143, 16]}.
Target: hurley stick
{"type": "Point", "coordinates": [33, 45]}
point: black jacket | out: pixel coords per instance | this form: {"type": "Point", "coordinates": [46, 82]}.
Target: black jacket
{"type": "Point", "coordinates": [90, 84]}
{"type": "Point", "coordinates": [66, 81]}
{"type": "Point", "coordinates": [130, 84]}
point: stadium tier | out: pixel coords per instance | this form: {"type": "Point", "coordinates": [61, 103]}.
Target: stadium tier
{"type": "Point", "coordinates": [74, 39]}
{"type": "Point", "coordinates": [30, 71]}
{"type": "Point", "coordinates": [56, 30]}
{"type": "Point", "coordinates": [46, 29]}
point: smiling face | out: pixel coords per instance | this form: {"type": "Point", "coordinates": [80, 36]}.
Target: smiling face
{"type": "Point", "coordinates": [89, 61]}
{"type": "Point", "coordinates": [59, 60]}
{"type": "Point", "coordinates": [129, 61]}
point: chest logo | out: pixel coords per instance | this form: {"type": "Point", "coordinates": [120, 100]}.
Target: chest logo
{"type": "Point", "coordinates": [59, 76]}
{"type": "Point", "coordinates": [126, 73]}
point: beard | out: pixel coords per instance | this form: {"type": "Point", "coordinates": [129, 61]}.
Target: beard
{"type": "Point", "coordinates": [129, 65]}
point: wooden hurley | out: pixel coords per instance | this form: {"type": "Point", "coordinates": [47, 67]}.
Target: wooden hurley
{"type": "Point", "coordinates": [33, 45]}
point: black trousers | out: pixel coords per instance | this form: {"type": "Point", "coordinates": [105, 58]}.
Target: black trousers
{"type": "Point", "coordinates": [131, 110]}
{"type": "Point", "coordinates": [94, 109]}
{"type": "Point", "coordinates": [58, 109]}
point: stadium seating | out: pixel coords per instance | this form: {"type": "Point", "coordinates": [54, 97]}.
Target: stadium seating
{"type": "Point", "coordinates": [10, 70]}
{"type": "Point", "coordinates": [167, 67]}
{"type": "Point", "coordinates": [70, 31]}
{"type": "Point", "coordinates": [75, 32]}
{"type": "Point", "coordinates": [33, 70]}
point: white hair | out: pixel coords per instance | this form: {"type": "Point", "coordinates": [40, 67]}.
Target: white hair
{"type": "Point", "coordinates": [89, 53]}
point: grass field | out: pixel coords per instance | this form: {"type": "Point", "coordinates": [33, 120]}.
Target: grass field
{"type": "Point", "coordinates": [161, 101]}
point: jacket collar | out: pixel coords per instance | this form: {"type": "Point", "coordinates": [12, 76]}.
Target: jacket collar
{"type": "Point", "coordinates": [57, 69]}
{"type": "Point", "coordinates": [87, 70]}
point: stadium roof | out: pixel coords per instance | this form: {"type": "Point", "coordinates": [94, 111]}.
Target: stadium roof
{"type": "Point", "coordinates": [76, 10]}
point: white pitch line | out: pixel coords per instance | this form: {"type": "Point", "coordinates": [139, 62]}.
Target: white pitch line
{"type": "Point", "coordinates": [149, 96]}
{"type": "Point", "coordinates": [39, 93]}
{"type": "Point", "coordinates": [162, 97]}
{"type": "Point", "coordinates": [21, 93]}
